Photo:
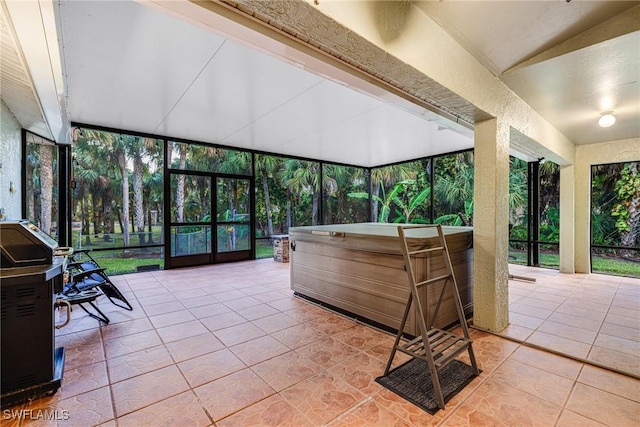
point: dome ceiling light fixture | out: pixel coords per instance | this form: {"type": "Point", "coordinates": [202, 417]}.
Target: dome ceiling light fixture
{"type": "Point", "coordinates": [607, 119]}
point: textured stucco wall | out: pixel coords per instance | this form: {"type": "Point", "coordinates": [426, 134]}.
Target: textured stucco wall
{"type": "Point", "coordinates": [491, 226]}
{"type": "Point", "coordinates": [439, 57]}
{"type": "Point", "coordinates": [11, 159]}
{"type": "Point", "coordinates": [626, 150]}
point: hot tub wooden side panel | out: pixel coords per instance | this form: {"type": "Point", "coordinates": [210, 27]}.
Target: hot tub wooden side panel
{"type": "Point", "coordinates": [365, 276]}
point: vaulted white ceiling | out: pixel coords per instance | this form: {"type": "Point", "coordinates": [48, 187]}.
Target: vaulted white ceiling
{"type": "Point", "coordinates": [125, 65]}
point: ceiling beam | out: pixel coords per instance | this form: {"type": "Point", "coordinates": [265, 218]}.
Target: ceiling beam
{"type": "Point", "coordinates": [624, 23]}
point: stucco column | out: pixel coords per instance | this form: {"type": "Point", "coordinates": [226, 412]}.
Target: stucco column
{"type": "Point", "coordinates": [491, 225]}
{"type": "Point", "coordinates": [582, 214]}
{"type": "Point", "coordinates": [567, 223]}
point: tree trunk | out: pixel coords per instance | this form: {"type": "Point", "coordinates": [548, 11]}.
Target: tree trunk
{"type": "Point", "coordinates": [288, 220]}
{"type": "Point", "coordinates": [109, 221]}
{"type": "Point", "coordinates": [31, 195]}
{"type": "Point", "coordinates": [151, 242]}
{"type": "Point", "coordinates": [180, 185]}
{"type": "Point", "coordinates": [314, 213]}
{"type": "Point", "coordinates": [267, 201]}
{"type": "Point", "coordinates": [46, 186]}
{"type": "Point", "coordinates": [122, 162]}
{"type": "Point", "coordinates": [375, 205]}
{"type": "Point", "coordinates": [138, 199]}
{"type": "Point", "coordinates": [628, 238]}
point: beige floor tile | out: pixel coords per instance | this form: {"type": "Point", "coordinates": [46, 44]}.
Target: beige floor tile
{"type": "Point", "coordinates": [621, 331]}
{"type": "Point", "coordinates": [543, 384]}
{"type": "Point", "coordinates": [232, 393]}
{"type": "Point", "coordinates": [549, 362]}
{"type": "Point", "coordinates": [566, 331]}
{"type": "Point", "coordinates": [115, 347]}
{"type": "Point", "coordinates": [181, 410]}
{"type": "Point", "coordinates": [125, 328]}
{"type": "Point", "coordinates": [209, 310]}
{"type": "Point", "coordinates": [617, 343]}
{"type": "Point", "coordinates": [603, 407]}
{"type": "Point", "coordinates": [524, 320]}
{"type": "Point", "coordinates": [168, 319]}
{"type": "Point", "coordinates": [513, 406]}
{"type": "Point", "coordinates": [611, 382]}
{"type": "Point", "coordinates": [529, 310]}
{"type": "Point", "coordinates": [83, 355]}
{"type": "Point", "coordinates": [194, 346]}
{"type": "Point", "coordinates": [138, 363]}
{"type": "Point", "coordinates": [257, 311]}
{"type": "Point", "coordinates": [327, 352]}
{"type": "Point", "coordinates": [82, 379]}
{"type": "Point", "coordinates": [564, 345]}
{"type": "Point", "coordinates": [576, 321]}
{"type": "Point", "coordinates": [275, 322]}
{"type": "Point", "coordinates": [322, 397]}
{"type": "Point", "coordinates": [210, 366]}
{"type": "Point", "coordinates": [273, 411]}
{"type": "Point", "coordinates": [298, 335]}
{"type": "Point", "coordinates": [181, 331]}
{"type": "Point", "coordinates": [408, 411]}
{"type": "Point", "coordinates": [259, 350]}
{"type": "Point", "coordinates": [571, 419]}
{"type": "Point", "coordinates": [331, 324]}
{"type": "Point", "coordinates": [368, 414]}
{"type": "Point", "coordinates": [239, 334]}
{"type": "Point", "coordinates": [286, 370]}
{"type": "Point", "coordinates": [468, 416]}
{"type": "Point", "coordinates": [86, 409]}
{"type": "Point", "coordinates": [624, 362]}
{"type": "Point", "coordinates": [360, 371]}
{"type": "Point", "coordinates": [137, 392]}
{"type": "Point", "coordinates": [222, 321]}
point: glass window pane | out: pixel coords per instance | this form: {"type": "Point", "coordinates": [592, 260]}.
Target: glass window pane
{"type": "Point", "coordinates": [207, 158]}
{"type": "Point", "coordinates": [615, 218]}
{"type": "Point", "coordinates": [42, 184]}
{"type": "Point", "coordinates": [402, 193]}
{"type": "Point", "coordinates": [233, 200]}
{"type": "Point", "coordinates": [190, 198]}
{"type": "Point", "coordinates": [453, 187]}
{"type": "Point", "coordinates": [190, 240]}
{"type": "Point", "coordinates": [518, 207]}
{"type": "Point", "coordinates": [233, 238]}
{"type": "Point", "coordinates": [341, 186]}
{"type": "Point", "coordinates": [118, 190]}
{"type": "Point", "coordinates": [549, 202]}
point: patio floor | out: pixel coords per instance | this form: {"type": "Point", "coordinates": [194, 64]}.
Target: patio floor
{"type": "Point", "coordinates": [229, 345]}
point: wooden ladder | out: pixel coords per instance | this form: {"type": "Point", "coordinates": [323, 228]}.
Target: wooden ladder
{"type": "Point", "coordinates": [435, 346]}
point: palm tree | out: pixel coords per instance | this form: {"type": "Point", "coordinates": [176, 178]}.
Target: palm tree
{"type": "Point", "coordinates": [453, 185]}
{"type": "Point", "coordinates": [300, 177]}
{"type": "Point", "coordinates": [627, 210]}
{"type": "Point", "coordinates": [46, 186]}
{"type": "Point", "coordinates": [265, 167]}
{"type": "Point", "coordinates": [386, 177]}
{"type": "Point", "coordinates": [182, 150]}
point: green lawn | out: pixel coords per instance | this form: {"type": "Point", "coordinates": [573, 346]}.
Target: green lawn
{"type": "Point", "coordinates": [605, 265]}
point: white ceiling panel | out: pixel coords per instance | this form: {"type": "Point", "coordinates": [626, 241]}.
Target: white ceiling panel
{"type": "Point", "coordinates": [127, 65]}
{"type": "Point", "coordinates": [323, 105]}
{"type": "Point", "coordinates": [557, 87]}
{"type": "Point", "coordinates": [238, 87]}
{"type": "Point", "coordinates": [134, 68]}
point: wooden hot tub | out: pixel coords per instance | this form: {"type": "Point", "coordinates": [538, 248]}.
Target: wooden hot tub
{"type": "Point", "coordinates": [359, 268]}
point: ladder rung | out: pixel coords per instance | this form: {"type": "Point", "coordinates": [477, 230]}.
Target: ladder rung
{"type": "Point", "coordinates": [451, 355]}
{"type": "Point", "coordinates": [422, 251]}
{"type": "Point", "coordinates": [435, 279]}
